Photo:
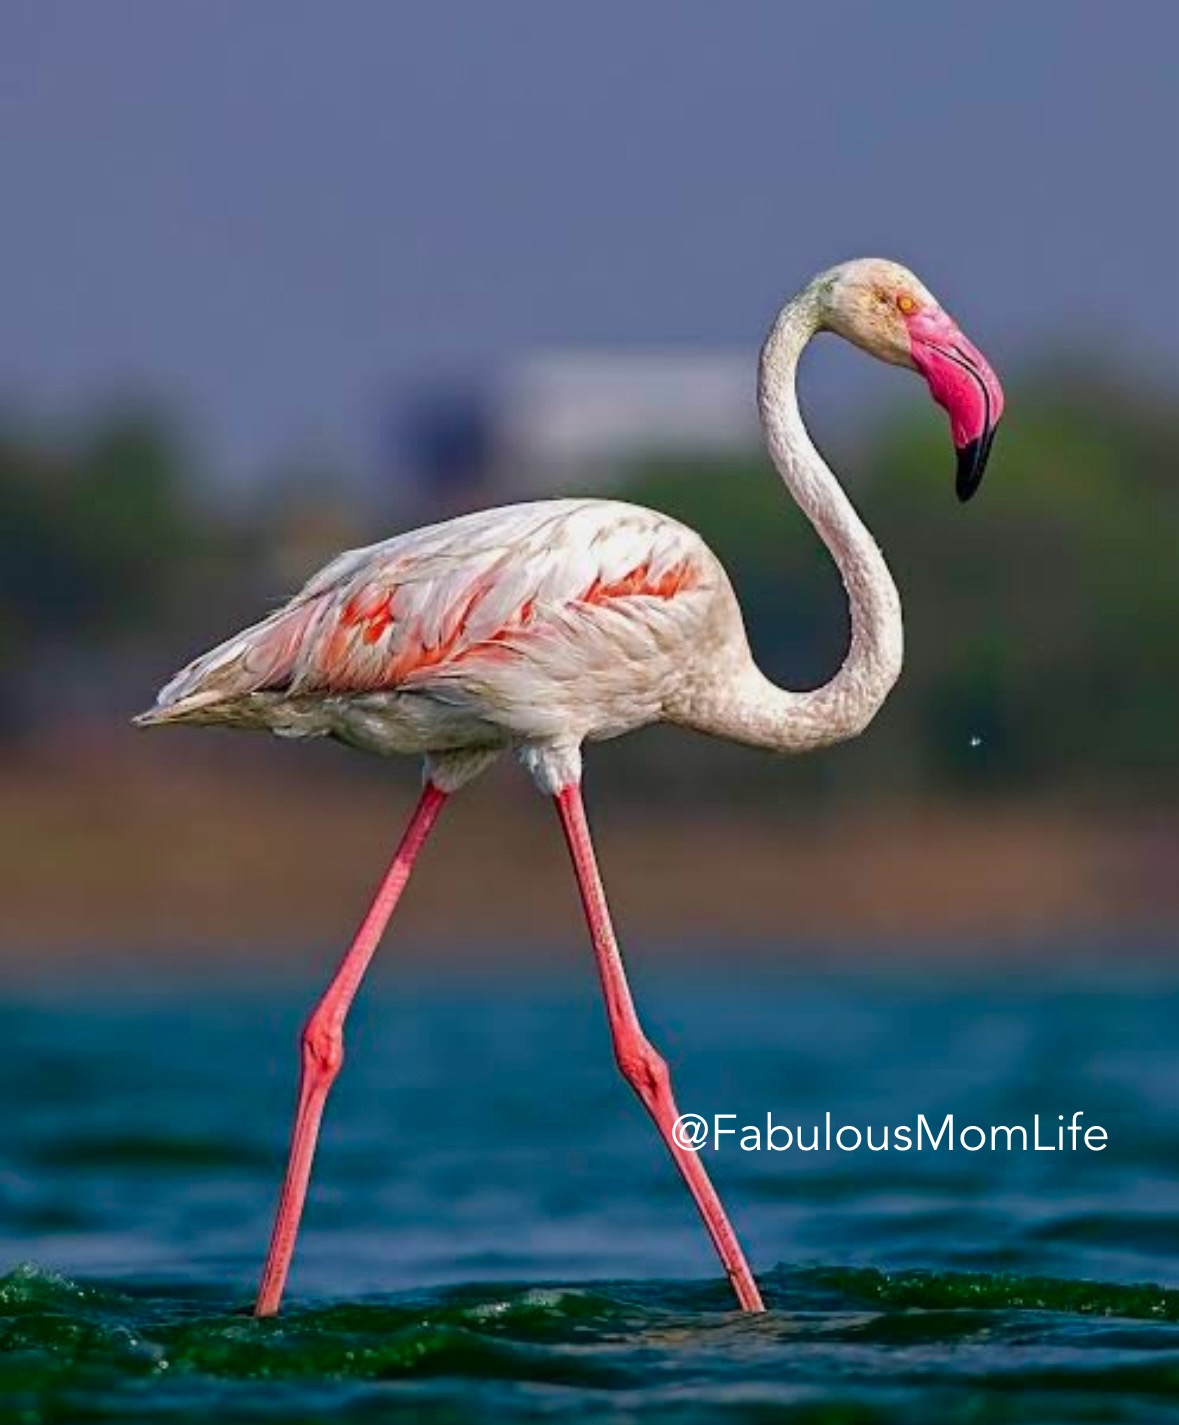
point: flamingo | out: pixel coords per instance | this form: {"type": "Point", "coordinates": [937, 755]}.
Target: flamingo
{"type": "Point", "coordinates": [534, 627]}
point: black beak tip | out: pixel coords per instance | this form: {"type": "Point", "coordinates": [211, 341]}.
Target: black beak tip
{"type": "Point", "coordinates": [972, 462]}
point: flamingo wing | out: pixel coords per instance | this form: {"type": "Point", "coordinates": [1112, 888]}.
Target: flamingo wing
{"type": "Point", "coordinates": [427, 609]}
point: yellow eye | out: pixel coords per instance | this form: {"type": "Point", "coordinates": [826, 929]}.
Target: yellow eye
{"type": "Point", "coordinates": [906, 304]}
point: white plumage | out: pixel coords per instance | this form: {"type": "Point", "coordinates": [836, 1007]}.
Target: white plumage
{"type": "Point", "coordinates": [539, 625]}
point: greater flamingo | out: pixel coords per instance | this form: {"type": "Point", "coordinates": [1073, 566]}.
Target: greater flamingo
{"type": "Point", "coordinates": [536, 626]}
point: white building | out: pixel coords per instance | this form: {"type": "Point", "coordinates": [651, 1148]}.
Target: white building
{"type": "Point", "coordinates": [568, 418]}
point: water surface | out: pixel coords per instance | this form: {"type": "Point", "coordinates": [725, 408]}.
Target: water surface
{"type": "Point", "coordinates": [495, 1234]}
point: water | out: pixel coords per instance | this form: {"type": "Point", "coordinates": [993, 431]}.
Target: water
{"type": "Point", "coordinates": [494, 1233]}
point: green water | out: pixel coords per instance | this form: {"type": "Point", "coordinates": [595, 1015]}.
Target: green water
{"type": "Point", "coordinates": [494, 1234]}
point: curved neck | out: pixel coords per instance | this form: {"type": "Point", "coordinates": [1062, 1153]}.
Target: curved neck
{"type": "Point", "coordinates": [758, 712]}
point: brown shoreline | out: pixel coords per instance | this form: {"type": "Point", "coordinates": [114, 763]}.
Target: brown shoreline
{"type": "Point", "coordinates": [186, 855]}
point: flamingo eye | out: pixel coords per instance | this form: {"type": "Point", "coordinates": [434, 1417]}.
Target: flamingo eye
{"type": "Point", "coordinates": [906, 305]}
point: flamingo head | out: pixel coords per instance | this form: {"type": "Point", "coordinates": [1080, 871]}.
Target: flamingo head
{"type": "Point", "coordinates": [886, 311]}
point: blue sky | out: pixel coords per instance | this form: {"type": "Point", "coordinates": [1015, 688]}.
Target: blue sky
{"type": "Point", "coordinates": [273, 214]}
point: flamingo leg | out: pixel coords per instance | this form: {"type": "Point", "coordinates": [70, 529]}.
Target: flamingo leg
{"type": "Point", "coordinates": [323, 1048]}
{"type": "Point", "coordinates": [641, 1065]}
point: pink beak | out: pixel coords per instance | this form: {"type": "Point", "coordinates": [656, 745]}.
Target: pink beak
{"type": "Point", "coordinates": [963, 384]}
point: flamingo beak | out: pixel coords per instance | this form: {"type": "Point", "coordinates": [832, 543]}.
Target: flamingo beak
{"type": "Point", "coordinates": [962, 383]}
{"type": "Point", "coordinates": [972, 462]}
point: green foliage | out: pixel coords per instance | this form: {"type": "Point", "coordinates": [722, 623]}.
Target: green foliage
{"type": "Point", "coordinates": [1039, 618]}
{"type": "Point", "coordinates": [93, 536]}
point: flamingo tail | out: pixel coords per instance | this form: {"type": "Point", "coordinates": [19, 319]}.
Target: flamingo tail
{"type": "Point", "coordinates": [259, 659]}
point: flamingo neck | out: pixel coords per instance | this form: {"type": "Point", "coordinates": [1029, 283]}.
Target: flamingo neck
{"type": "Point", "coordinates": [758, 711]}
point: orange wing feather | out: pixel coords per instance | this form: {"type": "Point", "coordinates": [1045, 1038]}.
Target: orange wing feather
{"type": "Point", "coordinates": [342, 662]}
{"type": "Point", "coordinates": [395, 614]}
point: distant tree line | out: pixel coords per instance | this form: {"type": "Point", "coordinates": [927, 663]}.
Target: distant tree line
{"type": "Point", "coordinates": [1040, 620]}
{"type": "Point", "coordinates": [1042, 654]}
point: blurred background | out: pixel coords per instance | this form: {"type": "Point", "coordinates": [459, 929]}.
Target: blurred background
{"type": "Point", "coordinates": [280, 281]}
{"type": "Point", "coordinates": [282, 278]}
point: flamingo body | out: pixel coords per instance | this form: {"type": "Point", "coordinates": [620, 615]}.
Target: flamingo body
{"type": "Point", "coordinates": [532, 626]}
{"type": "Point", "coordinates": [537, 626]}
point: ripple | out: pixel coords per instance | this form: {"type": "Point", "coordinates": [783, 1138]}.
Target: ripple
{"type": "Point", "coordinates": [995, 1291]}
{"type": "Point", "coordinates": [151, 1151]}
{"type": "Point", "coordinates": [972, 1346]}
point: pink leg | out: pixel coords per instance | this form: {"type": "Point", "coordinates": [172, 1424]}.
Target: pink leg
{"type": "Point", "coordinates": [323, 1049]}
{"type": "Point", "coordinates": [642, 1067]}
